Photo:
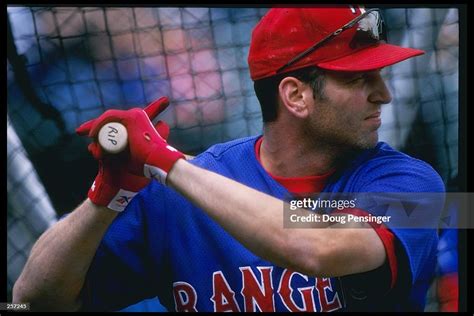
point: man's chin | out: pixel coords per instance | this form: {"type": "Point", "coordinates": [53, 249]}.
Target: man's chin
{"type": "Point", "coordinates": [367, 143]}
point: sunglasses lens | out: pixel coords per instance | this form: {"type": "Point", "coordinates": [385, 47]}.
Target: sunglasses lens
{"type": "Point", "coordinates": [370, 30]}
{"type": "Point", "coordinates": [370, 24]}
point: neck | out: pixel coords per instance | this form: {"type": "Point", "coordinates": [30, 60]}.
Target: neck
{"type": "Point", "coordinates": [291, 154]}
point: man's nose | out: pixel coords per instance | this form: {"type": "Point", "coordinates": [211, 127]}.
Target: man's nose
{"type": "Point", "coordinates": [380, 93]}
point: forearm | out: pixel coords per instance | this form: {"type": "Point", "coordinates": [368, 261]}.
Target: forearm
{"type": "Point", "coordinates": [252, 217]}
{"type": "Point", "coordinates": [256, 220]}
{"type": "Point", "coordinates": [56, 268]}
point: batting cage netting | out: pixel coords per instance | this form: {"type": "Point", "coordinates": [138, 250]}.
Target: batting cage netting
{"type": "Point", "coordinates": [66, 65]}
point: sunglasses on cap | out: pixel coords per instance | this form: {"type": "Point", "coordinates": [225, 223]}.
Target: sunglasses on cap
{"type": "Point", "coordinates": [370, 30]}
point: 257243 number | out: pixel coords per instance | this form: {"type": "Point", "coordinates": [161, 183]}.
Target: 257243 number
{"type": "Point", "coordinates": [15, 306]}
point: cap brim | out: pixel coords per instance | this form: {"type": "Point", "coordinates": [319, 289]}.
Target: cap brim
{"type": "Point", "coordinates": [371, 58]}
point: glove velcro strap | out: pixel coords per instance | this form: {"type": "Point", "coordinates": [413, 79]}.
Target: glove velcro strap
{"type": "Point", "coordinates": [165, 159]}
{"type": "Point", "coordinates": [115, 199]}
{"type": "Point", "coordinates": [121, 200]}
{"type": "Point", "coordinates": [155, 173]}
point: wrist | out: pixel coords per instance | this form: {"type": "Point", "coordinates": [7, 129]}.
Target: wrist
{"type": "Point", "coordinates": [175, 171]}
{"type": "Point", "coordinates": [105, 212]}
{"type": "Point", "coordinates": [101, 215]}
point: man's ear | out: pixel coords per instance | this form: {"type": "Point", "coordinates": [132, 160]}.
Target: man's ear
{"type": "Point", "coordinates": [294, 96]}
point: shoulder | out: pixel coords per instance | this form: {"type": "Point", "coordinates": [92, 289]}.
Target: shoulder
{"type": "Point", "coordinates": [220, 155]}
{"type": "Point", "coordinates": [388, 169]}
{"type": "Point", "coordinates": [221, 149]}
{"type": "Point", "coordinates": [385, 158]}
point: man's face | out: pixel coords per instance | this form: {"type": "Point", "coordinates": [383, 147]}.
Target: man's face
{"type": "Point", "coordinates": [348, 115]}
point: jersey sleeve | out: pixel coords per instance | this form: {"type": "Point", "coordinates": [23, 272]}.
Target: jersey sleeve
{"type": "Point", "coordinates": [388, 241]}
{"type": "Point", "coordinates": [125, 270]}
{"type": "Point", "coordinates": [447, 271]}
{"type": "Point", "coordinates": [415, 247]}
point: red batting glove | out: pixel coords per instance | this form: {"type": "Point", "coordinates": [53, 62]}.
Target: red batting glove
{"type": "Point", "coordinates": [147, 155]}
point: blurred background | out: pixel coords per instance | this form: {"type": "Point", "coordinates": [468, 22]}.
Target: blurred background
{"type": "Point", "coordinates": [66, 65]}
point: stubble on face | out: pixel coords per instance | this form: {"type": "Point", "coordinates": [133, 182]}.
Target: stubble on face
{"type": "Point", "coordinates": [336, 123]}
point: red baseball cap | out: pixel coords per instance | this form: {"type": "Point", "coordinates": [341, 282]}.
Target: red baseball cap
{"type": "Point", "coordinates": [284, 33]}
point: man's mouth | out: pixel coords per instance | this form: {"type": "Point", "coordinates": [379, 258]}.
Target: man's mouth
{"type": "Point", "coordinates": [375, 115]}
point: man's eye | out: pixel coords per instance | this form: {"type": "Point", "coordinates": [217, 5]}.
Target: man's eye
{"type": "Point", "coordinates": [356, 79]}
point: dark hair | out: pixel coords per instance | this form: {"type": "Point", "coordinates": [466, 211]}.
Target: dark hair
{"type": "Point", "coordinates": [267, 89]}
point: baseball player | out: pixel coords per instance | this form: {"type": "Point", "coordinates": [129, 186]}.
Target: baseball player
{"type": "Point", "coordinates": [208, 235]}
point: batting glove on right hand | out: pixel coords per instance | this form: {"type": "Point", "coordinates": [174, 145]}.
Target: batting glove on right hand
{"type": "Point", "coordinates": [147, 156]}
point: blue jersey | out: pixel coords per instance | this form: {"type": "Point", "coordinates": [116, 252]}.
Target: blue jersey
{"type": "Point", "coordinates": [164, 246]}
